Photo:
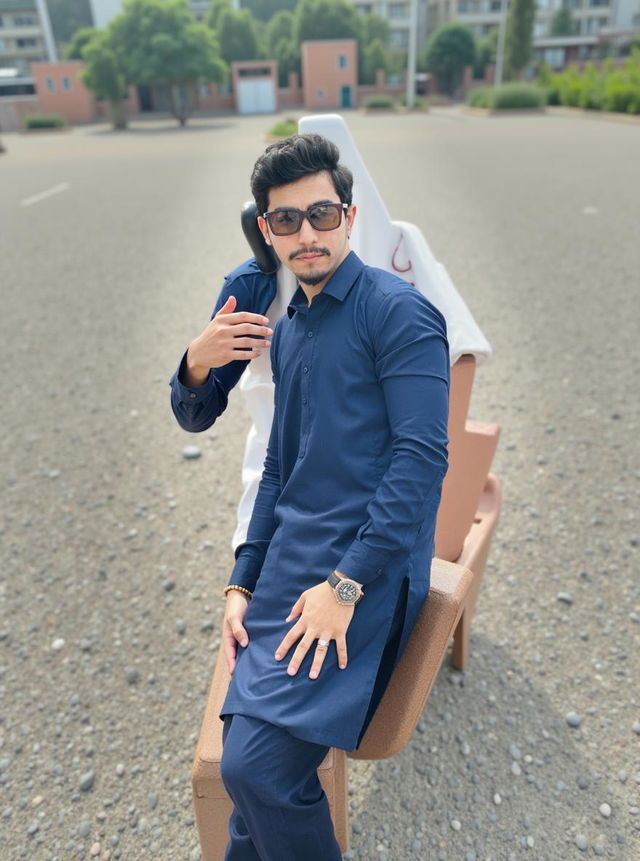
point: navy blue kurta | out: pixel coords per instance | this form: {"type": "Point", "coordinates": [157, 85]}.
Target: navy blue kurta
{"type": "Point", "coordinates": [352, 481]}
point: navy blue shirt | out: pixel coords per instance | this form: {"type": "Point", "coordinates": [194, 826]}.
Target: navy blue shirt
{"type": "Point", "coordinates": [352, 481]}
{"type": "Point", "coordinates": [359, 437]}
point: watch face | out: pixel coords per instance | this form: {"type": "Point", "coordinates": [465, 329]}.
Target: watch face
{"type": "Point", "coordinates": [347, 592]}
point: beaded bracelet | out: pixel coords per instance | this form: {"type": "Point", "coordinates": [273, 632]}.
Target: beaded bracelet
{"type": "Point", "coordinates": [238, 589]}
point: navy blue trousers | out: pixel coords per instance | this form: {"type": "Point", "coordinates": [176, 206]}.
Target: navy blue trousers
{"type": "Point", "coordinates": [281, 812]}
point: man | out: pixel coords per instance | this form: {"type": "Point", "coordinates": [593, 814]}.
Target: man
{"type": "Point", "coordinates": [335, 567]}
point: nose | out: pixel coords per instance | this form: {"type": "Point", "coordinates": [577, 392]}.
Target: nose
{"type": "Point", "coordinates": [306, 235]}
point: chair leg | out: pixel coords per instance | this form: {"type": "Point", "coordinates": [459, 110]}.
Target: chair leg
{"type": "Point", "coordinates": [460, 654]}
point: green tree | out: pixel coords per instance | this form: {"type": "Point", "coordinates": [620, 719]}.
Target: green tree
{"type": "Point", "coordinates": [104, 74]}
{"type": "Point", "coordinates": [279, 27]}
{"type": "Point", "coordinates": [163, 46]}
{"type": "Point", "coordinates": [375, 57]}
{"type": "Point", "coordinates": [66, 17]}
{"type": "Point", "coordinates": [519, 37]}
{"type": "Point", "coordinates": [327, 19]}
{"type": "Point", "coordinates": [79, 39]}
{"type": "Point", "coordinates": [562, 23]}
{"type": "Point", "coordinates": [287, 53]}
{"type": "Point", "coordinates": [215, 10]}
{"type": "Point", "coordinates": [486, 51]}
{"type": "Point", "coordinates": [376, 27]}
{"type": "Point", "coordinates": [447, 51]}
{"type": "Point", "coordinates": [237, 35]}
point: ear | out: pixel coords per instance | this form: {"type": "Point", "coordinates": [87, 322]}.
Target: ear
{"type": "Point", "coordinates": [262, 224]}
{"type": "Point", "coordinates": [351, 217]}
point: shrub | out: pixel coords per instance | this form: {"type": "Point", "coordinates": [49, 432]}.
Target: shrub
{"type": "Point", "coordinates": [284, 128]}
{"type": "Point", "coordinates": [507, 96]}
{"type": "Point", "coordinates": [418, 102]}
{"type": "Point", "coordinates": [620, 95]}
{"type": "Point", "coordinates": [44, 121]}
{"type": "Point", "coordinates": [481, 97]}
{"type": "Point", "coordinates": [378, 102]}
{"type": "Point", "coordinates": [517, 95]}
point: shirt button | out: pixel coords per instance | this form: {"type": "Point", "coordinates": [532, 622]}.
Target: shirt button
{"type": "Point", "coordinates": [192, 395]}
{"type": "Point", "coordinates": [304, 401]}
{"type": "Point", "coordinates": [305, 370]}
{"type": "Point", "coordinates": [310, 334]}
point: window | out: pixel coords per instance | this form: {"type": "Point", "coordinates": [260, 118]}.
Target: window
{"type": "Point", "coordinates": [51, 84]}
{"type": "Point", "coordinates": [342, 61]}
{"type": "Point", "coordinates": [398, 10]}
{"type": "Point", "coordinates": [598, 2]}
{"type": "Point", "coordinates": [320, 94]}
{"type": "Point", "coordinates": [203, 89]}
{"type": "Point", "coordinates": [26, 43]}
{"type": "Point", "coordinates": [66, 83]}
{"type": "Point", "coordinates": [25, 21]}
{"type": "Point", "coordinates": [553, 56]}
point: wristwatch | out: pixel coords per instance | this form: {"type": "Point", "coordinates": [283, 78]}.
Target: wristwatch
{"type": "Point", "coordinates": [346, 591]}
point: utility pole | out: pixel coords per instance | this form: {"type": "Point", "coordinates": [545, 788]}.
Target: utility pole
{"type": "Point", "coordinates": [45, 23]}
{"type": "Point", "coordinates": [497, 80]}
{"type": "Point", "coordinates": [411, 57]}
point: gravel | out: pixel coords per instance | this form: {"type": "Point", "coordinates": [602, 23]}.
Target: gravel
{"type": "Point", "coordinates": [116, 543]}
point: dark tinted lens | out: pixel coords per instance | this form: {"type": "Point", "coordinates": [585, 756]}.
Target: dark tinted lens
{"type": "Point", "coordinates": [325, 217]}
{"type": "Point", "coordinates": [284, 221]}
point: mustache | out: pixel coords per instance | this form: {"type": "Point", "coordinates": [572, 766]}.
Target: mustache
{"type": "Point", "coordinates": [300, 251]}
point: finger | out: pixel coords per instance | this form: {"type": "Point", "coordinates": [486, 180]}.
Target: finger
{"type": "Point", "coordinates": [247, 328]}
{"type": "Point", "coordinates": [296, 609]}
{"type": "Point", "coordinates": [239, 632]}
{"type": "Point", "coordinates": [298, 656]}
{"type": "Point", "coordinates": [228, 306]}
{"type": "Point", "coordinates": [252, 343]}
{"type": "Point", "coordinates": [294, 634]}
{"type": "Point", "coordinates": [320, 655]}
{"type": "Point", "coordinates": [341, 647]}
{"type": "Point", "coordinates": [247, 317]}
{"type": "Point", "coordinates": [230, 648]}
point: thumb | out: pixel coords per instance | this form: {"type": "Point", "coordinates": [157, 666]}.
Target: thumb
{"type": "Point", "coordinates": [228, 307]}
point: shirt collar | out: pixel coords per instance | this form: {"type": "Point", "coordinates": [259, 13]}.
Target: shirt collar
{"type": "Point", "coordinates": [337, 286]}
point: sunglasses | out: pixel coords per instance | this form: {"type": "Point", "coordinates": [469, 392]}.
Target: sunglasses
{"type": "Point", "coordinates": [321, 216]}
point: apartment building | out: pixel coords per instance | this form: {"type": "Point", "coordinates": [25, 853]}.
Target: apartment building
{"type": "Point", "coordinates": [22, 37]}
{"type": "Point", "coordinates": [593, 20]}
{"type": "Point", "coordinates": [398, 14]}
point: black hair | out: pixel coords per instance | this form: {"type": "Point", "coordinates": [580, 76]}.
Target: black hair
{"type": "Point", "coordinates": [290, 159]}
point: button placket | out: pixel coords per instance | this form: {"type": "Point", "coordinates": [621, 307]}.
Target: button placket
{"type": "Point", "coordinates": [307, 357]}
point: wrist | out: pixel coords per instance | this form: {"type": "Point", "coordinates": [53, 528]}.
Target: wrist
{"type": "Point", "coordinates": [196, 374]}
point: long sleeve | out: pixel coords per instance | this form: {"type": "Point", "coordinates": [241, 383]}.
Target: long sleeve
{"type": "Point", "coordinates": [196, 408]}
{"type": "Point", "coordinates": [412, 365]}
{"type": "Point", "coordinates": [251, 554]}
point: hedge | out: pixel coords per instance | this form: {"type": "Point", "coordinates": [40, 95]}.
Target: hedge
{"type": "Point", "coordinates": [44, 121]}
{"type": "Point", "coordinates": [605, 89]}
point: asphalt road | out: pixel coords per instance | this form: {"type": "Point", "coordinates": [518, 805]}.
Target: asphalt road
{"type": "Point", "coordinates": [115, 548]}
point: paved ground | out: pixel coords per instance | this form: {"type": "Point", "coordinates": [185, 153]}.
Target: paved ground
{"type": "Point", "coordinates": [115, 548]}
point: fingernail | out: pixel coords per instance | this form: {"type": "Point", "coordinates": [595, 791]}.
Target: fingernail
{"type": "Point", "coordinates": [313, 674]}
{"type": "Point", "coordinates": [288, 619]}
{"type": "Point", "coordinates": [343, 666]}
{"type": "Point", "coordinates": [278, 656]}
{"type": "Point", "coordinates": [243, 642]}
{"type": "Point", "coordinates": [291, 671]}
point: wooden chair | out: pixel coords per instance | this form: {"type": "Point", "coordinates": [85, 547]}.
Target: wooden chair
{"type": "Point", "coordinates": [467, 517]}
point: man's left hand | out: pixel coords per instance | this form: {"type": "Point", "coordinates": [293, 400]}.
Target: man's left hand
{"type": "Point", "coordinates": [322, 618]}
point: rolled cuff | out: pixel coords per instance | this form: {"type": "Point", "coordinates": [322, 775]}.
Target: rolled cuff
{"type": "Point", "coordinates": [362, 563]}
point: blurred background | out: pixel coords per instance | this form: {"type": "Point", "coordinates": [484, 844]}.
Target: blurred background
{"type": "Point", "coordinates": [127, 153]}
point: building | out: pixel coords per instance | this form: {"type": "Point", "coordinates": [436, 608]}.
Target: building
{"type": "Point", "coordinates": [22, 37]}
{"type": "Point", "coordinates": [398, 15]}
{"type": "Point", "coordinates": [593, 19]}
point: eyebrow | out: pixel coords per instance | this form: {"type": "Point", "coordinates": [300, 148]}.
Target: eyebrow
{"type": "Point", "coordinates": [315, 203]}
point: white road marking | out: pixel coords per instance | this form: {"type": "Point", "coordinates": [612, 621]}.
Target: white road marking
{"type": "Point", "coordinates": [36, 198]}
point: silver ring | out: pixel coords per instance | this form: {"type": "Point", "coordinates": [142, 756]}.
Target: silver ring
{"type": "Point", "coordinates": [323, 643]}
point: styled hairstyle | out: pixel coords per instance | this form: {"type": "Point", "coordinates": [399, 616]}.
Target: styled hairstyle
{"type": "Point", "coordinates": [290, 159]}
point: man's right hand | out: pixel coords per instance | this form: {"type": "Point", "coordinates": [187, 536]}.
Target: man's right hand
{"type": "Point", "coordinates": [233, 631]}
{"type": "Point", "coordinates": [222, 342]}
